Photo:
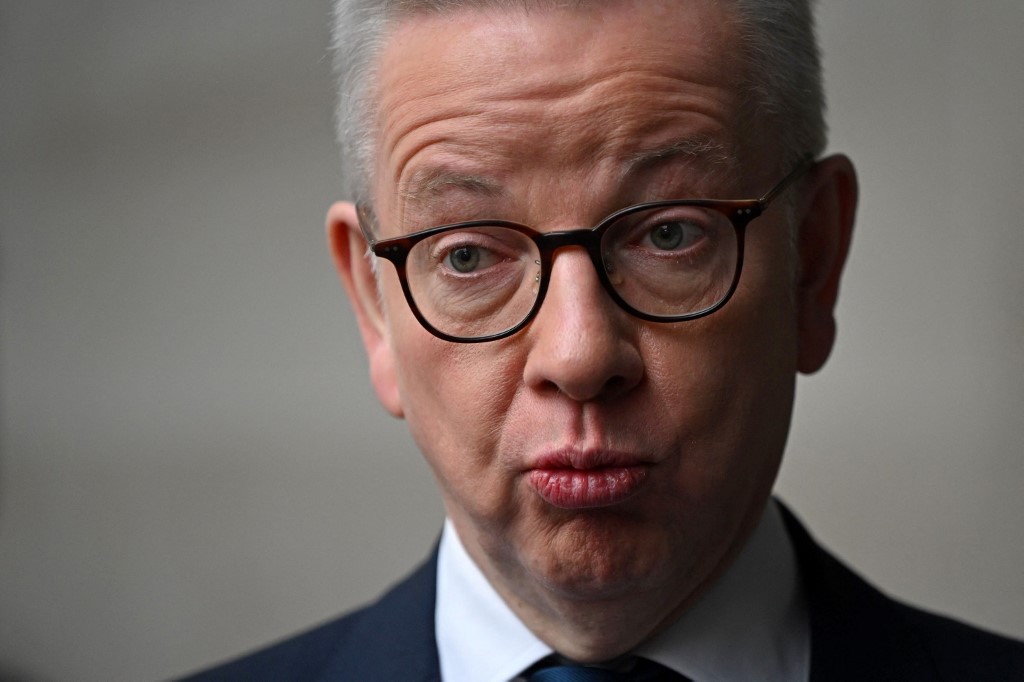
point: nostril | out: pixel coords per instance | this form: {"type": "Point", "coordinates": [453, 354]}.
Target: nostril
{"type": "Point", "coordinates": [616, 386]}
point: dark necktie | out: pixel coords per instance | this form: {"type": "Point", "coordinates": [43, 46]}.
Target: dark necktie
{"type": "Point", "coordinates": [632, 670]}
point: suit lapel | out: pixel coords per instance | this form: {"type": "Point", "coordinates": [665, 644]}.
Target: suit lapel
{"type": "Point", "coordinates": [857, 633]}
{"type": "Point", "coordinates": [396, 636]}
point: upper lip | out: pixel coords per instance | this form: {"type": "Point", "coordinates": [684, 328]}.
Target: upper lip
{"type": "Point", "coordinates": [588, 458]}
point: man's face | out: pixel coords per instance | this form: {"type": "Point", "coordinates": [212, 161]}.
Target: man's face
{"type": "Point", "coordinates": [592, 455]}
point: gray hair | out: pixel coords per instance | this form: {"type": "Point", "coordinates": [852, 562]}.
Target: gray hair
{"type": "Point", "coordinates": [784, 83]}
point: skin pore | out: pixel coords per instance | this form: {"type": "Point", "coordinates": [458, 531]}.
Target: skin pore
{"type": "Point", "coordinates": [555, 118]}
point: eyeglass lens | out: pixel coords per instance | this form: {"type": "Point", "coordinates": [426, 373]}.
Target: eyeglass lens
{"type": "Point", "coordinates": [665, 261]}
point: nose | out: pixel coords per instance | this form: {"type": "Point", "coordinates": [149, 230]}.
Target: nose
{"type": "Point", "coordinates": [582, 344]}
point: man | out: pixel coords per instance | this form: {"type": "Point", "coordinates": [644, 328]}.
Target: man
{"type": "Point", "coordinates": [604, 409]}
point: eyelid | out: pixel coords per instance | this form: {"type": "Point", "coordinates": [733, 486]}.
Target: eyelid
{"type": "Point", "coordinates": [440, 248]}
{"type": "Point", "coordinates": [471, 236]}
{"type": "Point", "coordinates": [695, 215]}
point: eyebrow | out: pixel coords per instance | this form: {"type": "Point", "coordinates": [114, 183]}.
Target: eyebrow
{"type": "Point", "coordinates": [706, 149]}
{"type": "Point", "coordinates": [435, 180]}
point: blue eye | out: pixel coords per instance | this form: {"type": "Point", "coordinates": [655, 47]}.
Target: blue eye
{"type": "Point", "coordinates": [463, 259]}
{"type": "Point", "coordinates": [673, 235]}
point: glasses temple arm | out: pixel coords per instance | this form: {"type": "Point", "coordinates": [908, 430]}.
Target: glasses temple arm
{"type": "Point", "coordinates": [798, 172]}
{"type": "Point", "coordinates": [365, 218]}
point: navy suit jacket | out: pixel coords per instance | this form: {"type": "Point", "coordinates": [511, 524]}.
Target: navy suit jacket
{"type": "Point", "coordinates": [857, 633]}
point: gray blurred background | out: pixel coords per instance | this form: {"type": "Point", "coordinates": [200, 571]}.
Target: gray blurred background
{"type": "Point", "coordinates": [192, 460]}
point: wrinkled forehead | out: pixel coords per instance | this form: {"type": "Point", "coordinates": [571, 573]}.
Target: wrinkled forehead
{"type": "Point", "coordinates": [527, 50]}
{"type": "Point", "coordinates": [614, 69]}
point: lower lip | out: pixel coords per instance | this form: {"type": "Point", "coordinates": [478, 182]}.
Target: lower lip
{"type": "Point", "coordinates": [587, 488]}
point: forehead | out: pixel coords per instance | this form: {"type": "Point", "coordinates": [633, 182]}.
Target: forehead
{"type": "Point", "coordinates": [567, 86]}
{"type": "Point", "coordinates": [629, 28]}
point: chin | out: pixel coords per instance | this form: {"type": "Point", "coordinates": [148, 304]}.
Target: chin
{"type": "Point", "coordinates": [596, 559]}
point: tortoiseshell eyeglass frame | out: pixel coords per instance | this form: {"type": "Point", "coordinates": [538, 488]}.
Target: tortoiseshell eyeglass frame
{"type": "Point", "coordinates": [740, 212]}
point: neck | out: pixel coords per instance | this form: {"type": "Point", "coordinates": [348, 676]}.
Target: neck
{"type": "Point", "coordinates": [592, 629]}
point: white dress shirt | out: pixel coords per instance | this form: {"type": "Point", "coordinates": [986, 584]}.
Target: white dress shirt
{"type": "Point", "coordinates": [751, 625]}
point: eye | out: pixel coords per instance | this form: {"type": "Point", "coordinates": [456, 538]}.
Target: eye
{"type": "Point", "coordinates": [463, 259]}
{"type": "Point", "coordinates": [674, 235]}
{"type": "Point", "coordinates": [469, 253]}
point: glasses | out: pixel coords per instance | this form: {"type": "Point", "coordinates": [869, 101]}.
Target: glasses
{"type": "Point", "coordinates": [661, 261]}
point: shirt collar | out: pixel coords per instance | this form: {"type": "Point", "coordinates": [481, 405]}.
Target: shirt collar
{"type": "Point", "coordinates": [752, 624]}
{"type": "Point", "coordinates": [478, 635]}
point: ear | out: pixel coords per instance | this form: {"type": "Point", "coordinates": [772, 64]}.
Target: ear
{"type": "Point", "coordinates": [348, 248]}
{"type": "Point", "coordinates": [825, 231]}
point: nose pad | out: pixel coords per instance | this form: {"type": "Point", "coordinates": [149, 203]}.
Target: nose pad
{"type": "Point", "coordinates": [582, 344]}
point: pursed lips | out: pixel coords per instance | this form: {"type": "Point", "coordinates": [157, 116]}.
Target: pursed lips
{"type": "Point", "coordinates": [587, 479]}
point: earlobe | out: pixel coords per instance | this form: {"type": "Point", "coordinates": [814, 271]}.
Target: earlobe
{"type": "Point", "coordinates": [825, 231]}
{"type": "Point", "coordinates": [348, 247]}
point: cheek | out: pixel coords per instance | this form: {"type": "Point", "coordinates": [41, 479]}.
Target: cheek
{"type": "Point", "coordinates": [454, 390]}
{"type": "Point", "coordinates": [757, 342]}
{"type": "Point", "coordinates": [729, 388]}
{"type": "Point", "coordinates": [455, 399]}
